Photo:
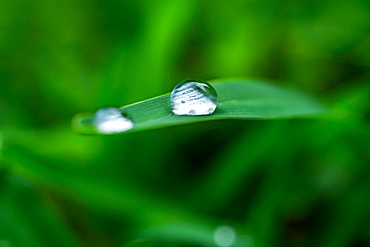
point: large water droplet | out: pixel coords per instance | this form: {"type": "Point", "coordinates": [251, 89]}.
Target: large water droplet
{"type": "Point", "coordinates": [193, 97]}
{"type": "Point", "coordinates": [111, 120]}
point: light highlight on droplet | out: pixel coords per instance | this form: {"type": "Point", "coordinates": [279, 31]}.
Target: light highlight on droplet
{"type": "Point", "coordinates": [193, 97]}
{"type": "Point", "coordinates": [110, 120]}
{"type": "Point", "coordinates": [224, 236]}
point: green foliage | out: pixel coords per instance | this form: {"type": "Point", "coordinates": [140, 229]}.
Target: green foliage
{"type": "Point", "coordinates": [287, 182]}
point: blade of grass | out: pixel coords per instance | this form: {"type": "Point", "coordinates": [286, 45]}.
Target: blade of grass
{"type": "Point", "coordinates": [238, 99]}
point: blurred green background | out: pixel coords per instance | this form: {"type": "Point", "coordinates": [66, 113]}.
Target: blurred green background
{"type": "Point", "coordinates": [224, 183]}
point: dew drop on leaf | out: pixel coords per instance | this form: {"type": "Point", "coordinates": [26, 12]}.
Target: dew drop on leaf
{"type": "Point", "coordinates": [111, 120]}
{"type": "Point", "coordinates": [193, 97]}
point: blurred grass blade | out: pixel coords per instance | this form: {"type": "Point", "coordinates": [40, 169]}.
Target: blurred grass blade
{"type": "Point", "coordinates": [180, 232]}
{"type": "Point", "coordinates": [236, 165]}
{"type": "Point", "coordinates": [26, 219]}
{"type": "Point", "coordinates": [238, 99]}
{"type": "Point", "coordinates": [346, 218]}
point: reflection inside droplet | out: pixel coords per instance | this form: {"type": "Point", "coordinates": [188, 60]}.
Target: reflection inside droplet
{"type": "Point", "coordinates": [224, 236]}
{"type": "Point", "coordinates": [193, 97]}
{"type": "Point", "coordinates": [110, 120]}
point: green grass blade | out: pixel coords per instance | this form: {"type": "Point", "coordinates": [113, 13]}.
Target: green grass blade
{"type": "Point", "coordinates": [180, 232]}
{"type": "Point", "coordinates": [238, 99]}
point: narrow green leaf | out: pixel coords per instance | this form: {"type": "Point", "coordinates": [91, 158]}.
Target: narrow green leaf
{"type": "Point", "coordinates": [238, 99]}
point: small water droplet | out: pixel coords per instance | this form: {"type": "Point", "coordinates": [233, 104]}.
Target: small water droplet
{"type": "Point", "coordinates": [193, 97]}
{"type": "Point", "coordinates": [224, 236]}
{"type": "Point", "coordinates": [111, 120]}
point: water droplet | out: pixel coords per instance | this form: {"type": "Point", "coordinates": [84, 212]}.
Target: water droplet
{"type": "Point", "coordinates": [108, 120]}
{"type": "Point", "coordinates": [111, 120]}
{"type": "Point", "coordinates": [224, 236]}
{"type": "Point", "coordinates": [193, 97]}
